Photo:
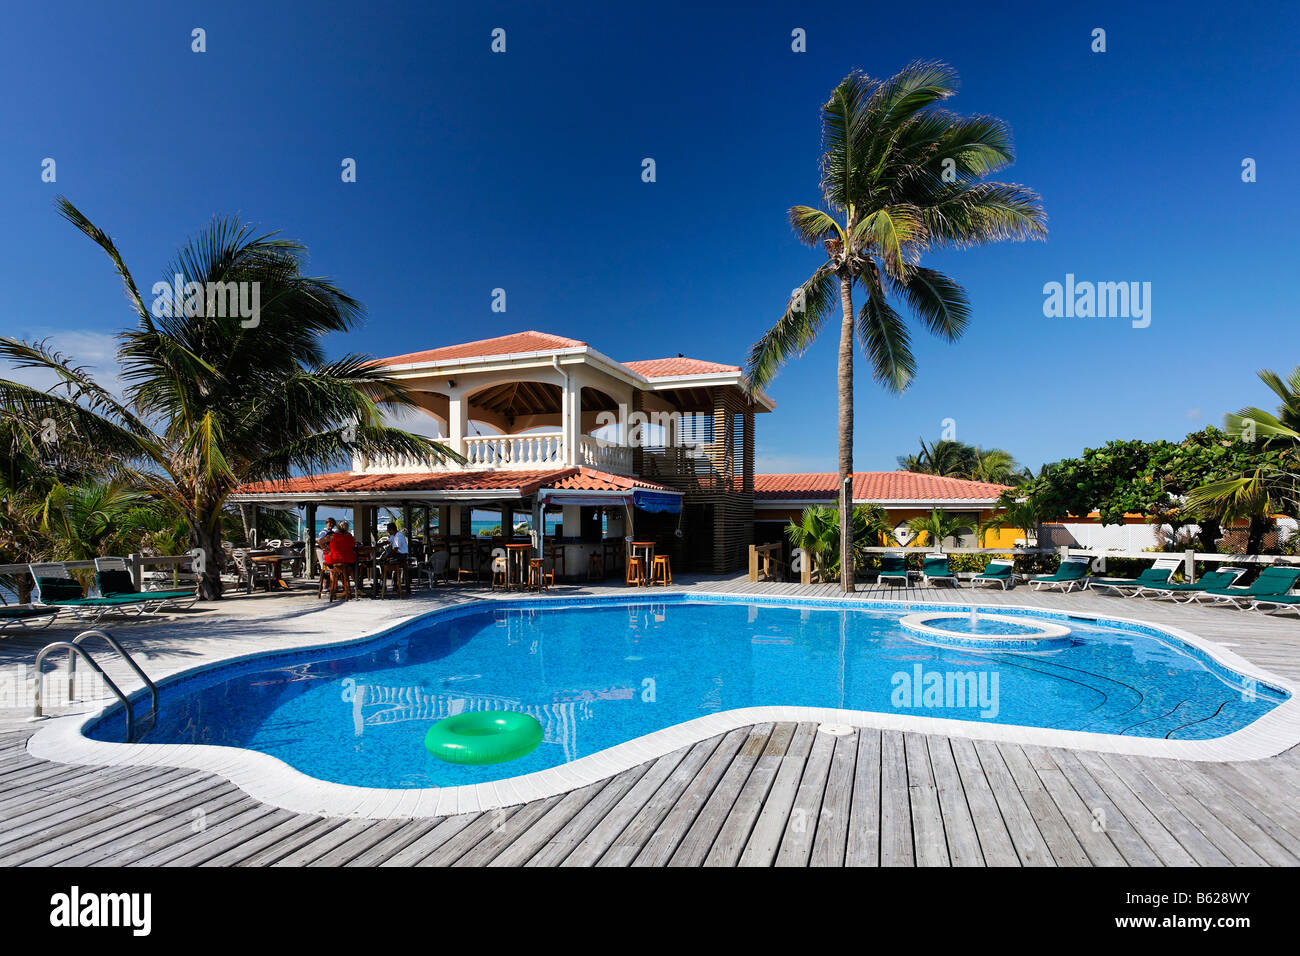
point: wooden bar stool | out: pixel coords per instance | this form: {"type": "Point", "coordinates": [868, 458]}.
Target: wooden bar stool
{"type": "Point", "coordinates": [538, 576]}
{"type": "Point", "coordinates": [662, 573]}
{"type": "Point", "coordinates": [397, 571]}
{"type": "Point", "coordinates": [341, 574]}
{"type": "Point", "coordinates": [635, 571]}
{"type": "Point", "coordinates": [595, 567]}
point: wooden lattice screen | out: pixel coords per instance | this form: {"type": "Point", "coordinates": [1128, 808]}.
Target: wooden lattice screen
{"type": "Point", "coordinates": [716, 479]}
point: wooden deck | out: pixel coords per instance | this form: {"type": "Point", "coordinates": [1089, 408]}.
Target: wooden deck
{"type": "Point", "coordinates": [771, 794]}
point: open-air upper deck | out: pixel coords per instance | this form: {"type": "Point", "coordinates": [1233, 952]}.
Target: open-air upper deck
{"type": "Point", "coordinates": [532, 401]}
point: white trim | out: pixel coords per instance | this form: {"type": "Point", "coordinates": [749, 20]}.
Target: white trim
{"type": "Point", "coordinates": [274, 782]}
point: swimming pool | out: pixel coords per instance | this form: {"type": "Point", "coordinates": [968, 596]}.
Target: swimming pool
{"type": "Point", "coordinates": [599, 673]}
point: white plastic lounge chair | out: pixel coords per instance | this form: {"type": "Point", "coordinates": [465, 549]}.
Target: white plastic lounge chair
{"type": "Point", "coordinates": [1072, 573]}
{"type": "Point", "coordinates": [113, 577]}
{"type": "Point", "coordinates": [1157, 575]}
{"type": "Point", "coordinates": [934, 567]}
{"type": "Point", "coordinates": [1223, 577]}
{"type": "Point", "coordinates": [999, 571]}
{"type": "Point", "coordinates": [893, 566]}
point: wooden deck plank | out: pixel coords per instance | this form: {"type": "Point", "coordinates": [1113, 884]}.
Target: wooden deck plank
{"type": "Point", "coordinates": [797, 841]}
{"type": "Point", "coordinates": [958, 822]}
{"type": "Point", "coordinates": [931, 839]}
{"type": "Point", "coordinates": [709, 819]}
{"type": "Point", "coordinates": [765, 838]}
{"type": "Point", "coordinates": [830, 843]}
{"type": "Point", "coordinates": [863, 840]}
{"type": "Point", "coordinates": [676, 825]}
{"type": "Point", "coordinates": [897, 847]}
{"type": "Point", "coordinates": [744, 811]}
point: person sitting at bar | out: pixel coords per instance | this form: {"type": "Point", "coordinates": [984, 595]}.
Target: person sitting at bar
{"type": "Point", "coordinates": [397, 542]}
{"type": "Point", "coordinates": [341, 547]}
{"type": "Point", "coordinates": [323, 542]}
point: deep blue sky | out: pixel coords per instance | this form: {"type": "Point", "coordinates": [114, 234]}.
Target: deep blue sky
{"type": "Point", "coordinates": [522, 171]}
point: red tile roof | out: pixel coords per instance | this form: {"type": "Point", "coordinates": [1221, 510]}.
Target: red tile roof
{"type": "Point", "coordinates": [588, 479]}
{"type": "Point", "coordinates": [346, 482]}
{"type": "Point", "coordinates": [874, 486]}
{"type": "Point", "coordinates": [672, 367]}
{"type": "Point", "coordinates": [532, 341]}
{"type": "Point", "coordinates": [501, 345]}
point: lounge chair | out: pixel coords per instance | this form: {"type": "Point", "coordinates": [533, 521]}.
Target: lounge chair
{"type": "Point", "coordinates": [999, 571]}
{"type": "Point", "coordinates": [56, 588]}
{"type": "Point", "coordinates": [26, 615]}
{"type": "Point", "coordinates": [1072, 573]}
{"type": "Point", "coordinates": [113, 578]}
{"type": "Point", "coordinates": [1155, 576]}
{"type": "Point", "coordinates": [1222, 578]}
{"type": "Point", "coordinates": [935, 568]}
{"type": "Point", "coordinates": [1273, 582]}
{"type": "Point", "coordinates": [894, 566]}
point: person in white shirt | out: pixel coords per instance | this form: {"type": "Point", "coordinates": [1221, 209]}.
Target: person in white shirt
{"type": "Point", "coordinates": [397, 539]}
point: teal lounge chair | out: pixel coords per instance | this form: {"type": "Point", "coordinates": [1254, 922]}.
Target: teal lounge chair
{"type": "Point", "coordinates": [56, 588]}
{"type": "Point", "coordinates": [25, 615]}
{"type": "Point", "coordinates": [998, 571]}
{"type": "Point", "coordinates": [1072, 573]}
{"type": "Point", "coordinates": [1273, 582]}
{"type": "Point", "coordinates": [113, 578]}
{"type": "Point", "coordinates": [1183, 593]}
{"type": "Point", "coordinates": [1155, 576]}
{"type": "Point", "coordinates": [935, 568]}
{"type": "Point", "coordinates": [894, 567]}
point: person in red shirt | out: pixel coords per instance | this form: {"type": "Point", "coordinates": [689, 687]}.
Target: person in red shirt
{"type": "Point", "coordinates": [342, 546]}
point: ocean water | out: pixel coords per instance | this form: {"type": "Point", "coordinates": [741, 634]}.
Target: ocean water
{"type": "Point", "coordinates": [600, 674]}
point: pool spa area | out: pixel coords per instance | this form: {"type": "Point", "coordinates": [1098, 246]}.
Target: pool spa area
{"type": "Point", "coordinates": [594, 673]}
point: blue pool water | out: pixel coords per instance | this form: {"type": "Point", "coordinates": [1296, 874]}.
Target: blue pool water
{"type": "Point", "coordinates": [983, 627]}
{"type": "Point", "coordinates": [599, 674]}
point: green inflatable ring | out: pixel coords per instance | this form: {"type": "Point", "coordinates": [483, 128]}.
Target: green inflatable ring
{"type": "Point", "coordinates": [484, 736]}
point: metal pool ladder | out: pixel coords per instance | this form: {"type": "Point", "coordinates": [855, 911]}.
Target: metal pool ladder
{"type": "Point", "coordinates": [75, 650]}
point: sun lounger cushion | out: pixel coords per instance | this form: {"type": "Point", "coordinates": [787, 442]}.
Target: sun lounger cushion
{"type": "Point", "coordinates": [114, 582]}
{"type": "Point", "coordinates": [58, 589]}
{"type": "Point", "coordinates": [25, 611]}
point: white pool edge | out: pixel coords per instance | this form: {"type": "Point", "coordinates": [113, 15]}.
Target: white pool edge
{"type": "Point", "coordinates": [274, 782]}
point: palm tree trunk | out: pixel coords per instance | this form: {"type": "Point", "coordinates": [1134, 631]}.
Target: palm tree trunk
{"type": "Point", "coordinates": [209, 582]}
{"type": "Point", "coordinates": [846, 434]}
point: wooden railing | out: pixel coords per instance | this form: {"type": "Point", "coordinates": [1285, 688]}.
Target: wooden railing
{"type": "Point", "coordinates": [763, 559]}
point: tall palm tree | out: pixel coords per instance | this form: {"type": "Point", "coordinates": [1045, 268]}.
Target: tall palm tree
{"type": "Point", "coordinates": [211, 402]}
{"type": "Point", "coordinates": [899, 176]}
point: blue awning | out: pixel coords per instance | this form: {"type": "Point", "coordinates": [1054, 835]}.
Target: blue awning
{"type": "Point", "coordinates": [658, 502]}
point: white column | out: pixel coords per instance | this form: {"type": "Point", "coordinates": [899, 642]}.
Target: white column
{"type": "Point", "coordinates": [572, 422]}
{"type": "Point", "coordinates": [457, 422]}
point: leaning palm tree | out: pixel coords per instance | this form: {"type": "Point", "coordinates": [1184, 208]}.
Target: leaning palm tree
{"type": "Point", "coordinates": [214, 400]}
{"type": "Point", "coordinates": [1271, 487]}
{"type": "Point", "coordinates": [937, 527]}
{"type": "Point", "coordinates": [899, 176]}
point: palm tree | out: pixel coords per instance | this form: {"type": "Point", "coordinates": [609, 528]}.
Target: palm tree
{"type": "Point", "coordinates": [945, 457]}
{"type": "Point", "coordinates": [816, 533]}
{"type": "Point", "coordinates": [1271, 487]}
{"type": "Point", "coordinates": [212, 402]}
{"type": "Point", "coordinates": [937, 527]}
{"type": "Point", "coordinates": [899, 176]}
{"type": "Point", "coordinates": [1018, 513]}
{"type": "Point", "coordinates": [995, 466]}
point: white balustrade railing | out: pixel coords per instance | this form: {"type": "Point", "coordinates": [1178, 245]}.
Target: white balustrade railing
{"type": "Point", "coordinates": [508, 452]}
{"type": "Point", "coordinates": [604, 455]}
{"type": "Point", "coordinates": [514, 451]}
